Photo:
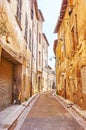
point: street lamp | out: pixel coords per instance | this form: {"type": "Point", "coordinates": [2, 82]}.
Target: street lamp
{"type": "Point", "coordinates": [52, 58]}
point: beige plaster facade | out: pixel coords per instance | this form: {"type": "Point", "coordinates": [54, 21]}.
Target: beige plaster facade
{"type": "Point", "coordinates": [21, 51]}
{"type": "Point", "coordinates": [45, 62]}
{"type": "Point", "coordinates": [13, 56]}
{"type": "Point", "coordinates": [51, 78]}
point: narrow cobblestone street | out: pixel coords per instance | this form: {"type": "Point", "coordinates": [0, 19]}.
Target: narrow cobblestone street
{"type": "Point", "coordinates": [42, 65]}
{"type": "Point", "coordinates": [48, 114]}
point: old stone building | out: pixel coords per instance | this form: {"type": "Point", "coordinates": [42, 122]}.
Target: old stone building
{"type": "Point", "coordinates": [70, 51]}
{"type": "Point", "coordinates": [39, 54]}
{"type": "Point", "coordinates": [21, 49]}
{"type": "Point", "coordinates": [45, 62]}
{"type": "Point", "coordinates": [15, 51]}
{"type": "Point", "coordinates": [34, 45]}
{"type": "Point", "coordinates": [51, 78]}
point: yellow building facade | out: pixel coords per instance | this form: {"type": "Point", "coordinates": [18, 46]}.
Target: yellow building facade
{"type": "Point", "coordinates": [70, 51]}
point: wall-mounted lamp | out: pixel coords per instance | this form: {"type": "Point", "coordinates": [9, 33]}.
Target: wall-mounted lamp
{"type": "Point", "coordinates": [61, 39]}
{"type": "Point", "coordinates": [52, 58]}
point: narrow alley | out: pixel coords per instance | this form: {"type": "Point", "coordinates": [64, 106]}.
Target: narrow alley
{"type": "Point", "coordinates": [48, 114]}
{"type": "Point", "coordinates": [42, 65]}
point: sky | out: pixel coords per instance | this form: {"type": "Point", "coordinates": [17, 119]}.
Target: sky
{"type": "Point", "coordinates": [51, 11]}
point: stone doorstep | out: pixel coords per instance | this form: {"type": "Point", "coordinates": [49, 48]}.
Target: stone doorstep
{"type": "Point", "coordinates": [15, 114]}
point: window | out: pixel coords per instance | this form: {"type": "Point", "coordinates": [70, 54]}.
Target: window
{"type": "Point", "coordinates": [39, 58]}
{"type": "Point", "coordinates": [19, 9]}
{"type": "Point", "coordinates": [73, 39]}
{"type": "Point", "coordinates": [32, 14]}
{"type": "Point", "coordinates": [62, 52]}
{"type": "Point", "coordinates": [26, 28]}
{"type": "Point", "coordinates": [45, 63]}
{"type": "Point", "coordinates": [70, 10]}
{"type": "Point", "coordinates": [85, 35]}
{"type": "Point", "coordinates": [70, 7]}
{"type": "Point", "coordinates": [30, 39]}
{"type": "Point", "coordinates": [8, 0]}
{"type": "Point", "coordinates": [76, 30]}
{"type": "Point", "coordinates": [83, 77]}
{"type": "Point", "coordinates": [39, 38]}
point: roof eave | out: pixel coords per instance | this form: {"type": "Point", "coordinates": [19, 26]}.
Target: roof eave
{"type": "Point", "coordinates": [62, 13]}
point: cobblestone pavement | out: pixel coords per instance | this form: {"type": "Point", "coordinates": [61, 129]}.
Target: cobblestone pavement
{"type": "Point", "coordinates": [48, 114]}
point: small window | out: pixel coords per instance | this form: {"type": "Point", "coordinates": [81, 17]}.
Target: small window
{"type": "Point", "coordinates": [32, 14]}
{"type": "Point", "coordinates": [30, 39]}
{"type": "Point", "coordinates": [19, 10]}
{"type": "Point", "coordinates": [39, 38]}
{"type": "Point", "coordinates": [39, 58]}
{"type": "Point", "coordinates": [70, 10]}
{"type": "Point", "coordinates": [73, 39]}
{"type": "Point", "coordinates": [8, 0]}
{"type": "Point", "coordinates": [26, 28]}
